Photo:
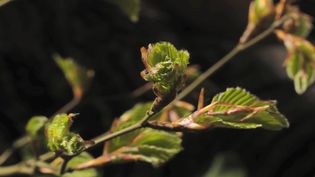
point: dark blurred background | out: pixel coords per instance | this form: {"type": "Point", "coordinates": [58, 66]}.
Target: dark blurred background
{"type": "Point", "coordinates": [98, 35]}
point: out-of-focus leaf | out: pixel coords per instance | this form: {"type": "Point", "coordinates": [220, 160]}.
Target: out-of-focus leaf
{"type": "Point", "coordinates": [83, 157]}
{"type": "Point", "coordinates": [300, 62]}
{"type": "Point", "coordinates": [299, 23]}
{"type": "Point", "coordinates": [146, 144]}
{"type": "Point", "coordinates": [225, 166]}
{"type": "Point", "coordinates": [3, 2]}
{"type": "Point", "coordinates": [35, 125]}
{"type": "Point", "coordinates": [260, 9]}
{"type": "Point", "coordinates": [60, 138]}
{"type": "Point", "coordinates": [78, 77]}
{"type": "Point", "coordinates": [261, 13]}
{"type": "Point", "coordinates": [280, 8]}
{"type": "Point", "coordinates": [165, 67]}
{"type": "Point", "coordinates": [130, 7]}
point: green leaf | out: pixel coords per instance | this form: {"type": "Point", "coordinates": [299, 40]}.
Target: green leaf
{"type": "Point", "coordinates": [83, 157]}
{"type": "Point", "coordinates": [149, 145]}
{"type": "Point", "coordinates": [60, 138]}
{"type": "Point", "coordinates": [35, 125]}
{"type": "Point", "coordinates": [129, 118]}
{"type": "Point", "coordinates": [237, 108]}
{"type": "Point", "coordinates": [129, 7]}
{"type": "Point", "coordinates": [78, 77]}
{"type": "Point", "coordinates": [300, 62]}
{"type": "Point", "coordinates": [165, 67]}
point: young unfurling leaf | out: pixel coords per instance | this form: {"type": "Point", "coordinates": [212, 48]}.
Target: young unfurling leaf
{"type": "Point", "coordinates": [78, 77]}
{"type": "Point", "coordinates": [261, 13]}
{"type": "Point", "coordinates": [60, 138]}
{"type": "Point", "coordinates": [164, 66]}
{"type": "Point", "coordinates": [300, 61]}
{"type": "Point", "coordinates": [299, 23]}
{"type": "Point", "coordinates": [35, 125]}
{"type": "Point", "coordinates": [234, 108]}
{"type": "Point", "coordinates": [146, 144]}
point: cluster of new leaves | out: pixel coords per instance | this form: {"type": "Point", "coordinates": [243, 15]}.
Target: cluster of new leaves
{"type": "Point", "coordinates": [234, 108]}
{"type": "Point", "coordinates": [146, 144]}
{"type": "Point", "coordinates": [294, 31]}
{"type": "Point", "coordinates": [165, 67]}
{"type": "Point", "coordinates": [60, 138]}
{"type": "Point", "coordinates": [300, 62]}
